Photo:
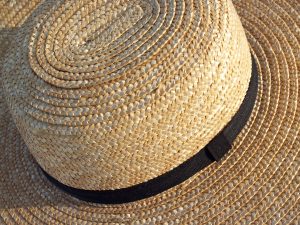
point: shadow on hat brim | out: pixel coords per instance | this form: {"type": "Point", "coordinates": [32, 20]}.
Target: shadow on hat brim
{"type": "Point", "coordinates": [258, 181]}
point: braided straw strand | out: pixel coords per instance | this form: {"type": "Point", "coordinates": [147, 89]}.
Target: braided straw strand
{"type": "Point", "coordinates": [13, 13]}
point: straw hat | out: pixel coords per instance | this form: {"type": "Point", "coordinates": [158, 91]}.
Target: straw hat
{"type": "Point", "coordinates": [149, 112]}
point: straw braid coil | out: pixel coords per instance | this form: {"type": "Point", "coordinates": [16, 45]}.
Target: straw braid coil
{"type": "Point", "coordinates": [112, 94]}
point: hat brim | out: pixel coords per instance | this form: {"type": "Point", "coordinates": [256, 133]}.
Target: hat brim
{"type": "Point", "coordinates": [257, 181]}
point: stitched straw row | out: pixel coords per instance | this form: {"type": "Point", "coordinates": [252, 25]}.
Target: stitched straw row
{"type": "Point", "coordinates": [13, 13]}
{"type": "Point", "coordinates": [112, 94]}
{"type": "Point", "coordinates": [257, 182]}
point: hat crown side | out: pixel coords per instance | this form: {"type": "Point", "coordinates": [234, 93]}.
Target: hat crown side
{"type": "Point", "coordinates": [109, 94]}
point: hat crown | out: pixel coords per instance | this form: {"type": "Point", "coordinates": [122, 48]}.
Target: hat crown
{"type": "Point", "coordinates": [112, 94]}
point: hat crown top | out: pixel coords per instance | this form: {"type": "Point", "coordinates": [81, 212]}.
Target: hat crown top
{"type": "Point", "coordinates": [110, 94]}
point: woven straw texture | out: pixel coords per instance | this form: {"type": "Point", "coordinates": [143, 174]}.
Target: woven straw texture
{"type": "Point", "coordinates": [13, 12]}
{"type": "Point", "coordinates": [258, 181]}
{"type": "Point", "coordinates": [113, 110]}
